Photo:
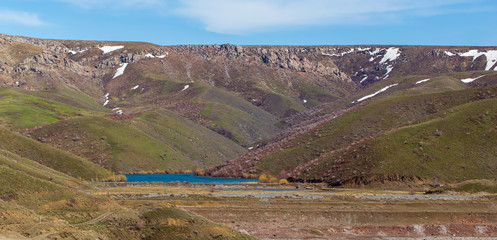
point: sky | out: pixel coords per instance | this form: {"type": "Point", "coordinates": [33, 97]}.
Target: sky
{"type": "Point", "coordinates": [257, 22]}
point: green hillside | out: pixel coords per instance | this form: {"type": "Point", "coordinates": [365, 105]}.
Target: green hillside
{"type": "Point", "coordinates": [113, 144]}
{"type": "Point", "coordinates": [51, 157]}
{"type": "Point", "coordinates": [246, 122]}
{"type": "Point", "coordinates": [367, 122]}
{"type": "Point", "coordinates": [19, 110]}
{"type": "Point", "coordinates": [458, 145]}
{"type": "Point", "coordinates": [194, 142]}
{"type": "Point", "coordinates": [32, 183]}
{"type": "Point", "coordinates": [150, 141]}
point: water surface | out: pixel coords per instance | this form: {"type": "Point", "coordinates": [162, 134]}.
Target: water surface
{"type": "Point", "coordinates": [183, 177]}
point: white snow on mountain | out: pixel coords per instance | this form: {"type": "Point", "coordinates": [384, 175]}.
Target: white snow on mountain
{"type": "Point", "coordinates": [364, 79]}
{"type": "Point", "coordinates": [391, 54]}
{"type": "Point", "coordinates": [422, 81]}
{"type": "Point", "coordinates": [490, 55]}
{"type": "Point", "coordinates": [108, 49]}
{"type": "Point", "coordinates": [76, 52]}
{"type": "Point", "coordinates": [389, 69]}
{"type": "Point", "coordinates": [468, 80]}
{"type": "Point", "coordinates": [449, 53]}
{"type": "Point", "coordinates": [120, 70]}
{"type": "Point", "coordinates": [376, 93]}
{"type": "Point", "coordinates": [186, 87]}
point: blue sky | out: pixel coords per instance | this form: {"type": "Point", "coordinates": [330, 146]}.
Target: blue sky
{"type": "Point", "coordinates": [253, 22]}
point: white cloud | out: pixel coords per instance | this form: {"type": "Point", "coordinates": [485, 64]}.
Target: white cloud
{"type": "Point", "coordinates": [18, 17]}
{"type": "Point", "coordinates": [242, 16]}
{"type": "Point", "coordinates": [115, 4]}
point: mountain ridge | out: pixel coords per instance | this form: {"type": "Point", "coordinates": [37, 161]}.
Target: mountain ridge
{"type": "Point", "coordinates": [246, 94]}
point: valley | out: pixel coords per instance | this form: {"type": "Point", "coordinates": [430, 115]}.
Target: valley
{"type": "Point", "coordinates": [384, 142]}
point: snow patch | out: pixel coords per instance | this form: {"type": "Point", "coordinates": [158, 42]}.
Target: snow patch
{"type": "Point", "coordinates": [376, 51]}
{"type": "Point", "coordinates": [490, 55]}
{"type": "Point", "coordinates": [106, 102]}
{"type": "Point", "coordinates": [135, 87]}
{"type": "Point", "coordinates": [391, 54]}
{"type": "Point", "coordinates": [76, 52]}
{"type": "Point", "coordinates": [343, 53]}
{"type": "Point", "coordinates": [250, 148]}
{"type": "Point", "coordinates": [376, 93]}
{"type": "Point", "coordinates": [149, 55]}
{"type": "Point", "coordinates": [468, 80]}
{"type": "Point", "coordinates": [472, 53]}
{"type": "Point", "coordinates": [120, 112]}
{"type": "Point", "coordinates": [364, 79]}
{"type": "Point", "coordinates": [120, 71]}
{"type": "Point", "coordinates": [18, 84]}
{"type": "Point", "coordinates": [305, 101]}
{"type": "Point", "coordinates": [422, 81]}
{"type": "Point", "coordinates": [449, 53]}
{"type": "Point", "coordinates": [389, 69]}
{"type": "Point", "coordinates": [115, 109]}
{"type": "Point", "coordinates": [186, 87]}
{"type": "Point", "coordinates": [108, 49]}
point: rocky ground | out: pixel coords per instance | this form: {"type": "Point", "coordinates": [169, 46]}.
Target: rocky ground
{"type": "Point", "coordinates": [318, 214]}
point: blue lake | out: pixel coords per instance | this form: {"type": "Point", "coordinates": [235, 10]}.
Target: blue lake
{"type": "Point", "coordinates": [183, 177]}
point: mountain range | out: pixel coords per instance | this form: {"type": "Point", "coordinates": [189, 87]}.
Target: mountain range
{"type": "Point", "coordinates": [343, 115]}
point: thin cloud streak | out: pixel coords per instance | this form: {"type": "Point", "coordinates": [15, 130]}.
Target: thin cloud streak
{"type": "Point", "coordinates": [19, 17]}
{"type": "Point", "coordinates": [116, 4]}
{"type": "Point", "coordinates": [245, 16]}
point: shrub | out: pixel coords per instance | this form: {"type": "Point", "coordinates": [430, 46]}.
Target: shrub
{"type": "Point", "coordinates": [267, 178]}
{"type": "Point", "coordinates": [263, 178]}
{"type": "Point", "coordinates": [283, 181]}
{"type": "Point", "coordinates": [116, 178]}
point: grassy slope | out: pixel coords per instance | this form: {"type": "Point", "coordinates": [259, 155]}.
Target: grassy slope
{"type": "Point", "coordinates": [18, 110]}
{"type": "Point", "coordinates": [22, 179]}
{"type": "Point", "coordinates": [245, 121]}
{"type": "Point", "coordinates": [54, 158]}
{"type": "Point", "coordinates": [198, 144]}
{"type": "Point", "coordinates": [71, 97]}
{"type": "Point", "coordinates": [458, 145]}
{"type": "Point", "coordinates": [366, 121]}
{"type": "Point", "coordinates": [215, 107]}
{"type": "Point", "coordinates": [124, 146]}
{"type": "Point", "coordinates": [465, 149]}
{"type": "Point", "coordinates": [437, 83]}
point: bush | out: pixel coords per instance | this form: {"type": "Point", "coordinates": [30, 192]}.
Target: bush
{"type": "Point", "coordinates": [263, 178]}
{"type": "Point", "coordinates": [283, 181]}
{"type": "Point", "coordinates": [267, 178]}
{"type": "Point", "coordinates": [116, 178]}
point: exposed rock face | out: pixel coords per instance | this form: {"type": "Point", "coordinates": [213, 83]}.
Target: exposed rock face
{"type": "Point", "coordinates": [347, 67]}
{"type": "Point", "coordinates": [263, 75]}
